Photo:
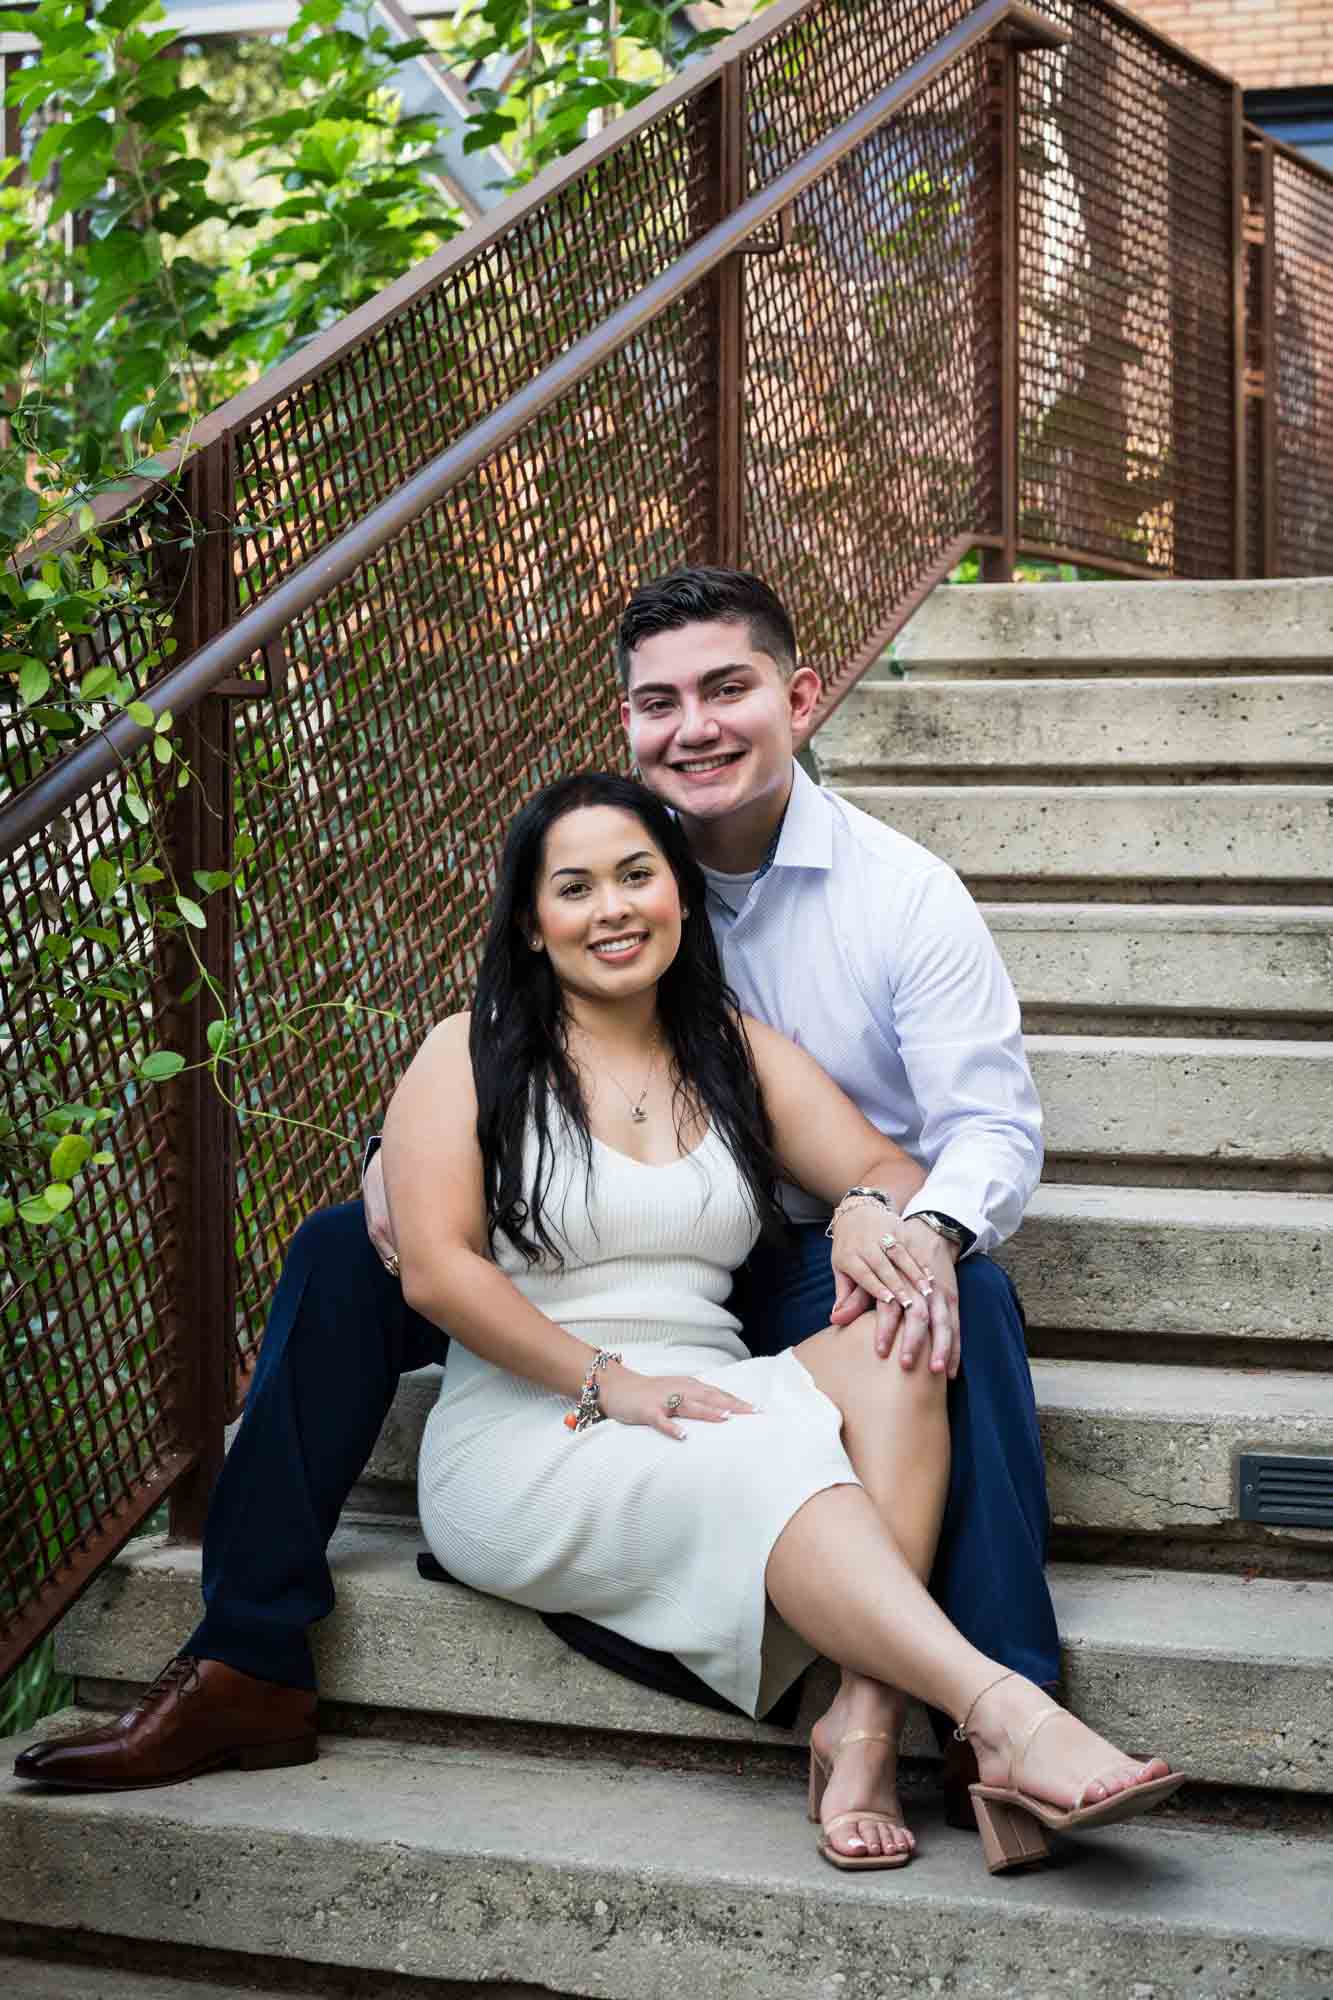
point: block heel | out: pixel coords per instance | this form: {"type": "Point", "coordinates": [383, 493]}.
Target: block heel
{"type": "Point", "coordinates": [1010, 1837]}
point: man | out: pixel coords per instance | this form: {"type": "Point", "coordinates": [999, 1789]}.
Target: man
{"type": "Point", "coordinates": [858, 944]}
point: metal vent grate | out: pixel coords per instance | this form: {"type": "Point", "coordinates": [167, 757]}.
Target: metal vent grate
{"type": "Point", "coordinates": [1286, 1492]}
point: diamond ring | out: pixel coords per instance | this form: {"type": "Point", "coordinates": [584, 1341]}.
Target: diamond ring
{"type": "Point", "coordinates": [673, 1402]}
{"type": "Point", "coordinates": [886, 1243]}
{"type": "Point", "coordinates": [391, 1264]}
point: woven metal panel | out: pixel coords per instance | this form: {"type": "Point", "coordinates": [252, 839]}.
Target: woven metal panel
{"type": "Point", "coordinates": [1302, 371]}
{"type": "Point", "coordinates": [863, 387]}
{"type": "Point", "coordinates": [823, 66]}
{"type": "Point", "coordinates": [89, 1345]}
{"type": "Point", "coordinates": [1126, 355]}
{"type": "Point", "coordinates": [428, 697]}
{"type": "Point", "coordinates": [319, 458]}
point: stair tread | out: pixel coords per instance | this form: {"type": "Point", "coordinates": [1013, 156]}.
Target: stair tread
{"type": "Point", "coordinates": [1204, 1649]}
{"type": "Point", "coordinates": [1168, 1393]}
{"type": "Point", "coordinates": [450, 1863]}
{"type": "Point", "coordinates": [1183, 1208]}
{"type": "Point", "coordinates": [36, 1979]}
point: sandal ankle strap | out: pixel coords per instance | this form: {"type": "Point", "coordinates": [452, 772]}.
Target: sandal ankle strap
{"type": "Point", "coordinates": [862, 1736]}
{"type": "Point", "coordinates": [961, 1732]}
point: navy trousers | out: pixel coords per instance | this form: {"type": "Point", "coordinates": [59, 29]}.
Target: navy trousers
{"type": "Point", "coordinates": [339, 1335]}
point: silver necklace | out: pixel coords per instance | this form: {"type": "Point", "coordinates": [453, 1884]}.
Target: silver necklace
{"type": "Point", "coordinates": [638, 1116]}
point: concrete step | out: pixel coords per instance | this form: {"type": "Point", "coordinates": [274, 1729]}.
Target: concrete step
{"type": "Point", "coordinates": [80, 1979]}
{"type": "Point", "coordinates": [1235, 1675]}
{"type": "Point", "coordinates": [1166, 838]}
{"type": "Point", "coordinates": [640, 1884]}
{"type": "Point", "coordinates": [1147, 1448]}
{"type": "Point", "coordinates": [1122, 628]}
{"type": "Point", "coordinates": [1146, 959]}
{"type": "Point", "coordinates": [1176, 1261]}
{"type": "Point", "coordinates": [1181, 1098]}
{"type": "Point", "coordinates": [1172, 730]}
{"type": "Point", "coordinates": [1130, 1448]}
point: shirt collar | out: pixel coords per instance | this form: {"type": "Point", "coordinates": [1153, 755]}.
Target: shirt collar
{"type": "Point", "coordinates": [805, 837]}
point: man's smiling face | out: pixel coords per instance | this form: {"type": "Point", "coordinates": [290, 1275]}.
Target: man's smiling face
{"type": "Point", "coordinates": [710, 719]}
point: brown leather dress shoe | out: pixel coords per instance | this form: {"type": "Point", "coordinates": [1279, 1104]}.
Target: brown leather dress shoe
{"type": "Point", "coordinates": [198, 1716]}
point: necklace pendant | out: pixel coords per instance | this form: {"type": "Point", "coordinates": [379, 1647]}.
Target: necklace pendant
{"type": "Point", "coordinates": [638, 1115]}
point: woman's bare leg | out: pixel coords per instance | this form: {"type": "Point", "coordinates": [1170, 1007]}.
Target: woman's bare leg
{"type": "Point", "coordinates": [839, 1579]}
{"type": "Point", "coordinates": [896, 1431]}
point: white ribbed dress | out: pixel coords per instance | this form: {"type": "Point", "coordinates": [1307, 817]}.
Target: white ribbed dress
{"type": "Point", "coordinates": [663, 1542]}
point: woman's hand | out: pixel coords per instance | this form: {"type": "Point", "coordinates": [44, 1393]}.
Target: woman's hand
{"type": "Point", "coordinates": [631, 1398]}
{"type": "Point", "coordinates": [872, 1266]}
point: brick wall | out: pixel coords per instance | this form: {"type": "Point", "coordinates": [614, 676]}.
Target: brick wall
{"type": "Point", "coordinates": [1263, 44]}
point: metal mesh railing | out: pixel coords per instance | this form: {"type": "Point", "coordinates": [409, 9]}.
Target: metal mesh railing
{"type": "Point", "coordinates": [998, 309]}
{"type": "Point", "coordinates": [1125, 322]}
{"type": "Point", "coordinates": [1301, 370]}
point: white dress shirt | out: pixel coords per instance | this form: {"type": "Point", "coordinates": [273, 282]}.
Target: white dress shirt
{"type": "Point", "coordinates": [869, 952]}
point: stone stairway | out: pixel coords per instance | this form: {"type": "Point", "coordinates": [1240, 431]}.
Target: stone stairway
{"type": "Point", "coordinates": [1137, 781]}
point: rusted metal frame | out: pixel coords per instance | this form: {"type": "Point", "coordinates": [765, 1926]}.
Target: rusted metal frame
{"type": "Point", "coordinates": [1269, 412]}
{"type": "Point", "coordinates": [1144, 31]}
{"type": "Point", "coordinates": [82, 1564]}
{"type": "Point", "coordinates": [931, 578]}
{"type": "Point", "coordinates": [1282, 151]}
{"type": "Point", "coordinates": [998, 562]}
{"type": "Point", "coordinates": [728, 308]}
{"type": "Point", "coordinates": [1240, 453]}
{"type": "Point", "coordinates": [1065, 552]}
{"type": "Point", "coordinates": [256, 627]}
{"type": "Point", "coordinates": [203, 1154]}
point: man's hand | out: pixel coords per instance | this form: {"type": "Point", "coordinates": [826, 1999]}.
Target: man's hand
{"type": "Point", "coordinates": [938, 1257]}
{"type": "Point", "coordinates": [378, 1226]}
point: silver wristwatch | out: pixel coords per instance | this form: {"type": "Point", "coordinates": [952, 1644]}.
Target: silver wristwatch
{"type": "Point", "coordinates": [943, 1225]}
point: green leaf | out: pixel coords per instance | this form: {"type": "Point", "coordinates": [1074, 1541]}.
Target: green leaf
{"type": "Point", "coordinates": [140, 712]}
{"type": "Point", "coordinates": [57, 1197]}
{"type": "Point", "coordinates": [162, 750]}
{"type": "Point", "coordinates": [34, 680]}
{"type": "Point", "coordinates": [163, 721]}
{"type": "Point", "coordinates": [97, 682]}
{"type": "Point", "coordinates": [7, 1212]}
{"type": "Point", "coordinates": [137, 808]}
{"type": "Point", "coordinates": [70, 1155]}
{"type": "Point", "coordinates": [101, 576]}
{"type": "Point", "coordinates": [37, 1211]}
{"type": "Point", "coordinates": [218, 1033]}
{"type": "Point", "coordinates": [103, 1160]}
{"type": "Point", "coordinates": [147, 874]}
{"type": "Point", "coordinates": [191, 912]}
{"type": "Point", "coordinates": [163, 1063]}
{"type": "Point", "coordinates": [244, 846]}
{"type": "Point", "coordinates": [103, 879]}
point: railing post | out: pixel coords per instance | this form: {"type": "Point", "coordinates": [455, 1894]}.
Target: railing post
{"type": "Point", "coordinates": [1240, 556]}
{"type": "Point", "coordinates": [204, 1162]}
{"type": "Point", "coordinates": [722, 112]}
{"type": "Point", "coordinates": [1268, 348]}
{"type": "Point", "coordinates": [997, 565]}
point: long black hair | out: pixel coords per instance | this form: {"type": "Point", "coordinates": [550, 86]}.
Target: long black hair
{"type": "Point", "coordinates": [520, 1060]}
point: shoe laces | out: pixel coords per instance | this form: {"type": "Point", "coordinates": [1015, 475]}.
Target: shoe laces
{"type": "Point", "coordinates": [179, 1677]}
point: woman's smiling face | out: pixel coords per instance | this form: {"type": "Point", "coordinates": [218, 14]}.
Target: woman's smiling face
{"type": "Point", "coordinates": [607, 907]}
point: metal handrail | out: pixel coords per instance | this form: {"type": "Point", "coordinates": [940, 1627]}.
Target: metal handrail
{"type": "Point", "coordinates": [85, 766]}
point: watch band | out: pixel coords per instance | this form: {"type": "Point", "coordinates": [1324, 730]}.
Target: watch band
{"type": "Point", "coordinates": [945, 1225]}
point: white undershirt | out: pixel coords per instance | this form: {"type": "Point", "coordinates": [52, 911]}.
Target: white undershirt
{"type": "Point", "coordinates": [733, 890]}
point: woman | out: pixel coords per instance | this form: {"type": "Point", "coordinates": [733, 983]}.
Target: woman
{"type": "Point", "coordinates": [574, 1171]}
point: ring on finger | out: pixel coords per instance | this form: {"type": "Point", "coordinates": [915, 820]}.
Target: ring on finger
{"type": "Point", "coordinates": [673, 1402]}
{"type": "Point", "coordinates": [886, 1243]}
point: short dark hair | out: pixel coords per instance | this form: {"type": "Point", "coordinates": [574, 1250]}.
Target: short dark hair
{"type": "Point", "coordinates": [696, 596]}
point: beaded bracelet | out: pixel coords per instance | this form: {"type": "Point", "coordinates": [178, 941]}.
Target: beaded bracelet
{"type": "Point", "coordinates": [589, 1410]}
{"type": "Point", "coordinates": [853, 1199]}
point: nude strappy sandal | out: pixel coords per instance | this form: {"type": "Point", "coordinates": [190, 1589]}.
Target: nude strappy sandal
{"type": "Point", "coordinates": [820, 1773]}
{"type": "Point", "coordinates": [1010, 1821]}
